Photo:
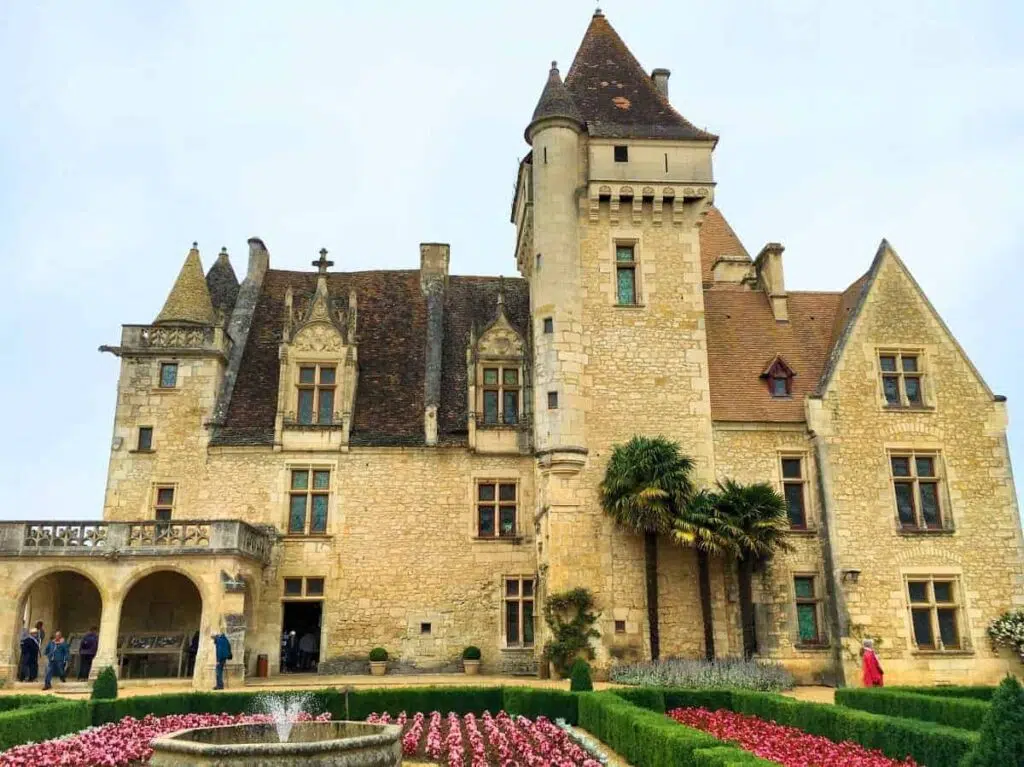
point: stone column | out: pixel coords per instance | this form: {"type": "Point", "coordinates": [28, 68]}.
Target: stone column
{"type": "Point", "coordinates": [110, 619]}
{"type": "Point", "coordinates": [10, 652]}
{"type": "Point", "coordinates": [233, 615]}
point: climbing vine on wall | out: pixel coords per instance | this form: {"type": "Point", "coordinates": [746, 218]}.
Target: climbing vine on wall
{"type": "Point", "coordinates": [570, 617]}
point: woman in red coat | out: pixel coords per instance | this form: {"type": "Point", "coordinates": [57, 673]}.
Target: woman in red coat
{"type": "Point", "coordinates": [871, 669]}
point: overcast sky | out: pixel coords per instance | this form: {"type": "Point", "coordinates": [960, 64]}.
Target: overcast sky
{"type": "Point", "coordinates": [129, 129]}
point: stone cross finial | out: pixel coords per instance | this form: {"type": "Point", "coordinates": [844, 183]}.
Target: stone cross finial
{"type": "Point", "coordinates": [501, 292]}
{"type": "Point", "coordinates": [323, 264]}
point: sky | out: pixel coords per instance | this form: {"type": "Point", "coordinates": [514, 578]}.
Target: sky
{"type": "Point", "coordinates": [128, 130]}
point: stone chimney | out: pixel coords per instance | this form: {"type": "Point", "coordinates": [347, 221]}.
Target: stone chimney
{"type": "Point", "coordinates": [735, 268]}
{"type": "Point", "coordinates": [434, 258]}
{"type": "Point", "coordinates": [768, 266]}
{"type": "Point", "coordinates": [660, 77]}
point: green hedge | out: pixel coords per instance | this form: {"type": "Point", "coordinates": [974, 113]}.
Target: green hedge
{"type": "Point", "coordinates": [461, 700]}
{"type": "Point", "coordinates": [980, 692]}
{"type": "Point", "coordinates": [533, 702]}
{"type": "Point", "coordinates": [9, 702]}
{"type": "Point", "coordinates": [651, 698]}
{"type": "Point", "coordinates": [966, 713]}
{"type": "Point", "coordinates": [104, 711]}
{"type": "Point", "coordinates": [712, 700]}
{"type": "Point", "coordinates": [34, 721]}
{"type": "Point", "coordinates": [650, 739]}
{"type": "Point", "coordinates": [929, 743]}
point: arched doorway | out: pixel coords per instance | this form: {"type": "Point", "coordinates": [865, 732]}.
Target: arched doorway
{"type": "Point", "coordinates": [65, 601]}
{"type": "Point", "coordinates": [160, 615]}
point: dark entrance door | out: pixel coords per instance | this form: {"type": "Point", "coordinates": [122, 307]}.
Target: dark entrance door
{"type": "Point", "coordinates": [300, 637]}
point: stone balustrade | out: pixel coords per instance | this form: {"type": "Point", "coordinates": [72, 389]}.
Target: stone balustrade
{"type": "Point", "coordinates": [172, 339]}
{"type": "Point", "coordinates": [142, 538]}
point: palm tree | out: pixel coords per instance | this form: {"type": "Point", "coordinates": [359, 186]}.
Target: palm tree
{"type": "Point", "coordinates": [645, 486]}
{"type": "Point", "coordinates": [758, 521]}
{"type": "Point", "coordinates": [703, 527]}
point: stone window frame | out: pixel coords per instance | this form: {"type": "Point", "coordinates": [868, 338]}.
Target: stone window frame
{"type": "Point", "coordinates": [818, 600]}
{"type": "Point", "coordinates": [961, 605]}
{"type": "Point", "coordinates": [912, 452]}
{"type": "Point", "coordinates": [923, 374]}
{"type": "Point", "coordinates": [502, 364]}
{"type": "Point", "coordinates": [497, 480]}
{"type": "Point", "coordinates": [138, 439]}
{"type": "Point", "coordinates": [635, 265]}
{"type": "Point", "coordinates": [163, 512]}
{"type": "Point", "coordinates": [519, 599]}
{"type": "Point", "coordinates": [288, 491]}
{"type": "Point", "coordinates": [304, 592]}
{"type": "Point", "coordinates": [317, 387]}
{"type": "Point", "coordinates": [810, 517]}
{"type": "Point", "coordinates": [159, 375]}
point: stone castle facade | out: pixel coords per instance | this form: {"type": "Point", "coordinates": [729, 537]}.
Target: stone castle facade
{"type": "Point", "coordinates": [413, 457]}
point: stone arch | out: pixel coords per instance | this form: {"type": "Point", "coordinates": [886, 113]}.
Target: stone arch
{"type": "Point", "coordinates": [66, 598]}
{"type": "Point", "coordinates": [160, 610]}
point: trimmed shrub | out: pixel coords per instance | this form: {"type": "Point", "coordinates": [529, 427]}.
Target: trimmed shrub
{"type": "Point", "coordinates": [9, 702]}
{"type": "Point", "coordinates": [649, 739]}
{"type": "Point", "coordinates": [105, 686]}
{"type": "Point", "coordinates": [650, 698]}
{"type": "Point", "coordinates": [980, 692]}
{"type": "Point", "coordinates": [378, 655]}
{"type": "Point", "coordinates": [712, 700]}
{"type": "Point", "coordinates": [1002, 733]}
{"type": "Point", "coordinates": [966, 713]}
{"type": "Point", "coordinates": [580, 677]}
{"type": "Point", "coordinates": [933, 744]}
{"type": "Point", "coordinates": [103, 711]}
{"type": "Point", "coordinates": [34, 722]}
{"type": "Point", "coordinates": [471, 653]}
{"type": "Point", "coordinates": [533, 702]}
{"type": "Point", "coordinates": [726, 673]}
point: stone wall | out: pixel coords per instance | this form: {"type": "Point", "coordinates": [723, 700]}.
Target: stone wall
{"type": "Point", "coordinates": [965, 426]}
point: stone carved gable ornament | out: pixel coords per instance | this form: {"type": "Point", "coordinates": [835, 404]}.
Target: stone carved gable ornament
{"type": "Point", "coordinates": [318, 337]}
{"type": "Point", "coordinates": [500, 339]}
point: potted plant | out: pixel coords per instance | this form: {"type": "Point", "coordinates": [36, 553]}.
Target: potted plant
{"type": "Point", "coordinates": [471, 660]}
{"type": "Point", "coordinates": [378, 661]}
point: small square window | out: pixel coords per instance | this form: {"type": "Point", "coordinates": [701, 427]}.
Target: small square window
{"type": "Point", "coordinates": [620, 627]}
{"type": "Point", "coordinates": [168, 375]}
{"type": "Point", "coordinates": [549, 325]}
{"type": "Point", "coordinates": [918, 591]}
{"type": "Point", "coordinates": [145, 438]}
{"type": "Point", "coordinates": [293, 587]}
{"type": "Point", "coordinates": [780, 386]}
{"type": "Point", "coordinates": [424, 628]}
{"type": "Point", "coordinates": [552, 400]}
{"type": "Point", "coordinates": [165, 496]}
{"type": "Point", "coordinates": [314, 587]}
{"type": "Point", "coordinates": [621, 153]}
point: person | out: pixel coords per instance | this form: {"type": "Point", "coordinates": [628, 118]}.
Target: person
{"type": "Point", "coordinates": [291, 652]}
{"type": "Point", "coordinates": [40, 634]}
{"type": "Point", "coordinates": [57, 660]}
{"type": "Point", "coordinates": [222, 648]}
{"type": "Point", "coordinates": [871, 669]}
{"type": "Point", "coordinates": [87, 652]}
{"type": "Point", "coordinates": [193, 651]}
{"type": "Point", "coordinates": [307, 649]}
{"type": "Point", "coordinates": [29, 669]}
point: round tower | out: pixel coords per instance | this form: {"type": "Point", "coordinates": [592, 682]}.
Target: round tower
{"type": "Point", "coordinates": [554, 133]}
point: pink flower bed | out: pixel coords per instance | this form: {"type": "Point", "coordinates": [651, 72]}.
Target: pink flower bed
{"type": "Point", "coordinates": [487, 741]}
{"type": "Point", "coordinates": [121, 744]}
{"type": "Point", "coordinates": [788, 746]}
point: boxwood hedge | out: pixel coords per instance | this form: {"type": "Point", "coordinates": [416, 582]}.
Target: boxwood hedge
{"type": "Point", "coordinates": [964, 712]}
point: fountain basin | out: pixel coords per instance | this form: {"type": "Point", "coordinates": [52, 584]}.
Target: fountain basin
{"type": "Point", "coordinates": [312, 744]}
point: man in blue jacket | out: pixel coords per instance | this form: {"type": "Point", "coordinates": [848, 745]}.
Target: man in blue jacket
{"type": "Point", "coordinates": [223, 650]}
{"type": "Point", "coordinates": [87, 652]}
{"type": "Point", "coordinates": [57, 663]}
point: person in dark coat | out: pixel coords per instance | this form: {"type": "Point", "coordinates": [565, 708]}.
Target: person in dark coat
{"type": "Point", "coordinates": [40, 634]}
{"type": "Point", "coordinates": [222, 647]}
{"type": "Point", "coordinates": [57, 660]}
{"type": "Point", "coordinates": [29, 669]}
{"type": "Point", "coordinates": [87, 652]}
{"type": "Point", "coordinates": [193, 651]}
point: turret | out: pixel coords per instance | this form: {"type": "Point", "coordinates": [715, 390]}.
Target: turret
{"type": "Point", "coordinates": [554, 271]}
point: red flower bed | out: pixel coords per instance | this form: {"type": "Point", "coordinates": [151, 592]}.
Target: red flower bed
{"type": "Point", "coordinates": [498, 741]}
{"type": "Point", "coordinates": [121, 744]}
{"type": "Point", "coordinates": [788, 746]}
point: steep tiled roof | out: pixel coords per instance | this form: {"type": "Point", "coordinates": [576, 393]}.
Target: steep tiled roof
{"type": "Point", "coordinates": [189, 299]}
{"type": "Point", "coordinates": [616, 97]}
{"type": "Point", "coordinates": [554, 101]}
{"type": "Point", "coordinates": [391, 333]}
{"type": "Point", "coordinates": [743, 337]}
{"type": "Point", "coordinates": [222, 284]}
{"type": "Point", "coordinates": [717, 239]}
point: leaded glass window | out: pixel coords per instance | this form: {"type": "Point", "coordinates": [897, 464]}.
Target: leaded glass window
{"type": "Point", "coordinates": [309, 501]}
{"type": "Point", "coordinates": [901, 379]}
{"type": "Point", "coordinates": [500, 387]}
{"type": "Point", "coordinates": [315, 396]}
{"type": "Point", "coordinates": [935, 612]}
{"type": "Point", "coordinates": [519, 612]}
{"type": "Point", "coordinates": [625, 274]}
{"type": "Point", "coordinates": [163, 507]}
{"type": "Point", "coordinates": [168, 375]}
{"type": "Point", "coordinates": [916, 484]}
{"type": "Point", "coordinates": [794, 489]}
{"type": "Point", "coordinates": [496, 509]}
{"type": "Point", "coordinates": [807, 607]}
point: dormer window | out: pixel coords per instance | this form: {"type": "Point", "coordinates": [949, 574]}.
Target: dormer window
{"type": "Point", "coordinates": [501, 387]}
{"type": "Point", "coordinates": [316, 394]}
{"type": "Point", "coordinates": [779, 377]}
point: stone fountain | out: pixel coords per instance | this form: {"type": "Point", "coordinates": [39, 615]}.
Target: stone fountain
{"type": "Point", "coordinates": [284, 741]}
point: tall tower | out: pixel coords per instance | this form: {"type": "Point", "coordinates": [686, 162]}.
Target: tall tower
{"type": "Point", "coordinates": [608, 209]}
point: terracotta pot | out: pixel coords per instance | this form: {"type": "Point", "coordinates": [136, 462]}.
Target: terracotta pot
{"type": "Point", "coordinates": [471, 667]}
{"type": "Point", "coordinates": [378, 667]}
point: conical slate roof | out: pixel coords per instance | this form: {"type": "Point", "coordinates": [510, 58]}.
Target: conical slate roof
{"type": "Point", "coordinates": [222, 283]}
{"type": "Point", "coordinates": [555, 101]}
{"type": "Point", "coordinates": [189, 299]}
{"type": "Point", "coordinates": [616, 97]}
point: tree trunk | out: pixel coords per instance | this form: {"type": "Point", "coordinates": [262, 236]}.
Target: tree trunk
{"type": "Point", "coordinates": [651, 562]}
{"type": "Point", "coordinates": [704, 573]}
{"type": "Point", "coordinates": [745, 572]}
